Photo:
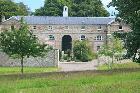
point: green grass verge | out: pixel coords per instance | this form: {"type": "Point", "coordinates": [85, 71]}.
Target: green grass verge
{"type": "Point", "coordinates": [118, 66]}
{"type": "Point", "coordinates": [83, 82]}
{"type": "Point", "coordinates": [16, 70]}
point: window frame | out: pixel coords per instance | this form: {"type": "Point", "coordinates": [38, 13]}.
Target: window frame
{"type": "Point", "coordinates": [51, 37]}
{"type": "Point", "coordinates": [121, 27]}
{"type": "Point", "coordinates": [83, 28]}
{"type": "Point", "coordinates": [81, 38]}
{"type": "Point", "coordinates": [99, 38]}
{"type": "Point", "coordinates": [50, 28]}
{"type": "Point", "coordinates": [66, 27]}
{"type": "Point", "coordinates": [99, 28]}
{"type": "Point", "coordinates": [34, 27]}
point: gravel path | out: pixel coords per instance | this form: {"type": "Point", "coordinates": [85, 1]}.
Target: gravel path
{"type": "Point", "coordinates": [82, 66]}
{"type": "Point", "coordinates": [77, 66]}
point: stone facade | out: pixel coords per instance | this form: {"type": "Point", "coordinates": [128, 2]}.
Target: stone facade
{"type": "Point", "coordinates": [51, 30]}
{"type": "Point", "coordinates": [91, 32]}
{"type": "Point", "coordinates": [50, 60]}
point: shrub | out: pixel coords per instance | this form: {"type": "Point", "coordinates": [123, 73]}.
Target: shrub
{"type": "Point", "coordinates": [82, 51]}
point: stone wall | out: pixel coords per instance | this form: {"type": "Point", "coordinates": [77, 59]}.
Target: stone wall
{"type": "Point", "coordinates": [50, 60]}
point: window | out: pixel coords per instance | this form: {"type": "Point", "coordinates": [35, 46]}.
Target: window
{"type": "Point", "coordinates": [50, 28]}
{"type": "Point", "coordinates": [120, 27]}
{"type": "Point", "coordinates": [83, 37]}
{"type": "Point", "coordinates": [66, 27]}
{"type": "Point", "coordinates": [51, 37]}
{"type": "Point", "coordinates": [34, 27]}
{"type": "Point", "coordinates": [99, 27]}
{"type": "Point", "coordinates": [83, 27]}
{"type": "Point", "coordinates": [98, 48]}
{"type": "Point", "coordinates": [99, 37]}
{"type": "Point", "coordinates": [12, 27]}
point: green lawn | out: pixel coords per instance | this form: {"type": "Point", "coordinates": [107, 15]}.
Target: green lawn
{"type": "Point", "coordinates": [16, 70]}
{"type": "Point", "coordinates": [80, 82]}
{"type": "Point", "coordinates": [118, 66]}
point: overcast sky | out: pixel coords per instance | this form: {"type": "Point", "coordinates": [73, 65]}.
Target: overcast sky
{"type": "Point", "coordinates": [35, 4]}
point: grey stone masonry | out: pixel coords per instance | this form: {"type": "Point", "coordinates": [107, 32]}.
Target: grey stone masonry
{"type": "Point", "coordinates": [50, 60]}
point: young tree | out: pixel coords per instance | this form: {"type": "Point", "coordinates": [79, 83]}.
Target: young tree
{"type": "Point", "coordinates": [112, 49]}
{"type": "Point", "coordinates": [82, 51]}
{"type": "Point", "coordinates": [21, 43]}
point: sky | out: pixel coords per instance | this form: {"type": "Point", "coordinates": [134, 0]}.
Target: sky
{"type": "Point", "coordinates": [35, 4]}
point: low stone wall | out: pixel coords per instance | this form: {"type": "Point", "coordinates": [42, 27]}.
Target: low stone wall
{"type": "Point", "coordinates": [50, 60]}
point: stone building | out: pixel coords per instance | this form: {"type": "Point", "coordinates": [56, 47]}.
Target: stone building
{"type": "Point", "coordinates": [60, 32]}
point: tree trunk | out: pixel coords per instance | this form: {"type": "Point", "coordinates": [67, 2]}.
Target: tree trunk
{"type": "Point", "coordinates": [22, 65]}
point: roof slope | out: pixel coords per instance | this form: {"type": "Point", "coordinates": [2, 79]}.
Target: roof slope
{"type": "Point", "coordinates": [66, 20]}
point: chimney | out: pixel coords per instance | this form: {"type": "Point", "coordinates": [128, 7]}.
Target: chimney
{"type": "Point", "coordinates": [3, 19]}
{"type": "Point", "coordinates": [65, 11]}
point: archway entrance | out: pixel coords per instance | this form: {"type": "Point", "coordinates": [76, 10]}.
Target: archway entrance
{"type": "Point", "coordinates": [66, 43]}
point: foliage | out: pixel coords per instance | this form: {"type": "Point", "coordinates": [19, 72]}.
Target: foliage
{"type": "Point", "coordinates": [21, 43]}
{"type": "Point", "coordinates": [112, 49]}
{"type": "Point", "coordinates": [82, 51]}
{"type": "Point", "coordinates": [129, 11]}
{"type": "Point", "coordinates": [82, 8]}
{"type": "Point", "coordinates": [9, 8]}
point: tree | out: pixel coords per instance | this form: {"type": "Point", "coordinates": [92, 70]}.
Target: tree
{"type": "Point", "coordinates": [9, 8]}
{"type": "Point", "coordinates": [82, 51]}
{"type": "Point", "coordinates": [129, 11]}
{"type": "Point", "coordinates": [114, 48]}
{"type": "Point", "coordinates": [81, 8]}
{"type": "Point", "coordinates": [21, 43]}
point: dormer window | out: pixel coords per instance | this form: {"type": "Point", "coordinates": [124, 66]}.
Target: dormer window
{"type": "Point", "coordinates": [83, 27]}
{"type": "Point", "coordinates": [83, 37]}
{"type": "Point", "coordinates": [66, 28]}
{"type": "Point", "coordinates": [99, 27]}
{"type": "Point", "coordinates": [50, 28]}
{"type": "Point", "coordinates": [120, 27]}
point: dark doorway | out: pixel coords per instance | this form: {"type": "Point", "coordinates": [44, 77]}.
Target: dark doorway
{"type": "Point", "coordinates": [66, 43]}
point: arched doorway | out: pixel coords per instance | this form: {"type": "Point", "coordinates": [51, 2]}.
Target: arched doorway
{"type": "Point", "coordinates": [66, 43]}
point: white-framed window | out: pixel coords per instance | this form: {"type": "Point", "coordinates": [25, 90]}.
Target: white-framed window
{"type": "Point", "coordinates": [99, 27]}
{"type": "Point", "coordinates": [66, 28]}
{"type": "Point", "coordinates": [83, 27]}
{"type": "Point", "coordinates": [99, 37]}
{"type": "Point", "coordinates": [51, 37]}
{"type": "Point", "coordinates": [120, 27]}
{"type": "Point", "coordinates": [50, 27]}
{"type": "Point", "coordinates": [34, 27]}
{"type": "Point", "coordinates": [83, 37]}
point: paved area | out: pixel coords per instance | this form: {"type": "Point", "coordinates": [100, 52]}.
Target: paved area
{"type": "Point", "coordinates": [81, 66]}
{"type": "Point", "coordinates": [77, 66]}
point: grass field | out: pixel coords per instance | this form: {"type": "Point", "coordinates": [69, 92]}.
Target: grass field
{"type": "Point", "coordinates": [103, 81]}
{"type": "Point", "coordinates": [78, 82]}
{"type": "Point", "coordinates": [16, 70]}
{"type": "Point", "coordinates": [118, 66]}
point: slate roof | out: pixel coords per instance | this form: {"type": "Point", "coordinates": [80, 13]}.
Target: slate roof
{"type": "Point", "coordinates": [66, 20]}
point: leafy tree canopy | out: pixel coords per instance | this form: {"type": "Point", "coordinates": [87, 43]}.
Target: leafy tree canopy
{"type": "Point", "coordinates": [9, 8]}
{"type": "Point", "coordinates": [129, 11]}
{"type": "Point", "coordinates": [81, 8]}
{"type": "Point", "coordinates": [83, 51]}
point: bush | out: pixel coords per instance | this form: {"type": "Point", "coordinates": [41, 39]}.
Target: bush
{"type": "Point", "coordinates": [82, 51]}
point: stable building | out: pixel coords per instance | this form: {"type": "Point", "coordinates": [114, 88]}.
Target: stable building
{"type": "Point", "coordinates": [60, 32]}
